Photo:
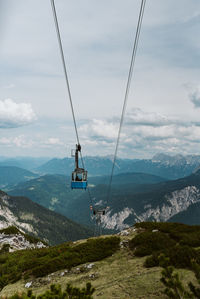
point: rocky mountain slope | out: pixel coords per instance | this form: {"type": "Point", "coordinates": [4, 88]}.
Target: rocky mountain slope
{"type": "Point", "coordinates": [189, 216]}
{"type": "Point", "coordinates": [12, 239]}
{"type": "Point", "coordinates": [38, 221]}
{"type": "Point", "coordinates": [153, 202]}
{"type": "Point", "coordinates": [168, 201]}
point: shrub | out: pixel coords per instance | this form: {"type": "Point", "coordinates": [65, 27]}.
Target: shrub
{"type": "Point", "coordinates": [176, 241]}
{"type": "Point", "coordinates": [181, 256]}
{"type": "Point", "coordinates": [148, 242]}
{"type": "Point", "coordinates": [152, 261]}
{"type": "Point", "coordinates": [11, 230]}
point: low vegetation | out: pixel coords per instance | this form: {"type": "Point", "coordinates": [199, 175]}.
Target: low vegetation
{"type": "Point", "coordinates": [174, 287]}
{"type": "Point", "coordinates": [179, 242]}
{"type": "Point", "coordinates": [56, 292]}
{"type": "Point", "coordinates": [41, 262]}
{"type": "Point", "coordinates": [170, 245]}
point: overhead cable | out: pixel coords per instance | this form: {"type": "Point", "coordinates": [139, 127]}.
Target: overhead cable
{"type": "Point", "coordinates": [66, 79]}
{"type": "Point", "coordinates": [135, 46]}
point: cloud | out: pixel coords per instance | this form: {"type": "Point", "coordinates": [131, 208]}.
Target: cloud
{"type": "Point", "coordinates": [140, 117]}
{"type": "Point", "coordinates": [195, 98]}
{"type": "Point", "coordinates": [98, 56]}
{"type": "Point", "coordinates": [20, 141]}
{"type": "Point", "coordinates": [13, 115]}
{"type": "Point", "coordinates": [144, 134]}
{"type": "Point", "coordinates": [101, 130]}
{"type": "Point", "coordinates": [53, 141]}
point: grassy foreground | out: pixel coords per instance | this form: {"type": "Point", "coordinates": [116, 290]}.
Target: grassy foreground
{"type": "Point", "coordinates": [120, 275]}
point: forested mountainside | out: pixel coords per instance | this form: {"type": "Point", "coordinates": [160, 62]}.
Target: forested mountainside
{"type": "Point", "coordinates": [38, 221]}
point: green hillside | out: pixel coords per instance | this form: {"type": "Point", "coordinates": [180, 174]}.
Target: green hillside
{"type": "Point", "coordinates": [120, 265]}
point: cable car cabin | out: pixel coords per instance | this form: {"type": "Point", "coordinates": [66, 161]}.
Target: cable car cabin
{"type": "Point", "coordinates": [79, 175]}
{"type": "Point", "coordinates": [79, 179]}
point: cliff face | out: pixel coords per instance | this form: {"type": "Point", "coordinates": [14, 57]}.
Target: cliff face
{"type": "Point", "coordinates": [174, 203]}
{"type": "Point", "coordinates": [169, 205]}
{"type": "Point", "coordinates": [9, 217]}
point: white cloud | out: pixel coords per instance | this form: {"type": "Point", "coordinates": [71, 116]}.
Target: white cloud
{"type": "Point", "coordinates": [144, 134]}
{"type": "Point", "coordinates": [100, 129]}
{"type": "Point", "coordinates": [20, 141]}
{"type": "Point", "coordinates": [53, 141]}
{"type": "Point", "coordinates": [14, 114]}
{"type": "Point", "coordinates": [140, 117]}
{"type": "Point", "coordinates": [98, 57]}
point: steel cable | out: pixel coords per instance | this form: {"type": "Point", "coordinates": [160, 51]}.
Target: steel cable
{"type": "Point", "coordinates": [67, 80]}
{"type": "Point", "coordinates": [141, 13]}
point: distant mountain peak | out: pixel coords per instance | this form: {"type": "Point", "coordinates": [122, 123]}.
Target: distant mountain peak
{"type": "Point", "coordinates": [161, 157]}
{"type": "Point", "coordinates": [177, 160]}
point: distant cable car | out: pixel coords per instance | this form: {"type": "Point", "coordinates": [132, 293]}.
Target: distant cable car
{"type": "Point", "coordinates": [100, 211]}
{"type": "Point", "coordinates": [79, 175]}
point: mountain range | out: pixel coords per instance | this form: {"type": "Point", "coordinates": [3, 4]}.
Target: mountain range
{"type": "Point", "coordinates": [134, 196]}
{"type": "Point", "coordinates": [131, 201]}
{"type": "Point", "coordinates": [168, 167]}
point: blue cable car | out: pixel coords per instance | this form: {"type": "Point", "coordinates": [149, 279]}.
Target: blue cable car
{"type": "Point", "coordinates": [79, 175]}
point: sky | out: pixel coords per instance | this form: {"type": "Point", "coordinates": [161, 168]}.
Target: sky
{"type": "Point", "coordinates": [163, 109]}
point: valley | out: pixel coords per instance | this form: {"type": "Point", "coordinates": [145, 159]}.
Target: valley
{"type": "Point", "coordinates": [135, 196]}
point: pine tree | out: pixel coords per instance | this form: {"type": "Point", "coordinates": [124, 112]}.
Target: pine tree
{"type": "Point", "coordinates": [174, 287]}
{"type": "Point", "coordinates": [194, 289]}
